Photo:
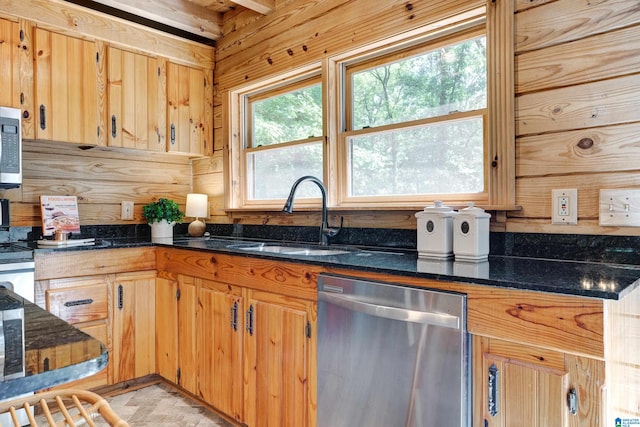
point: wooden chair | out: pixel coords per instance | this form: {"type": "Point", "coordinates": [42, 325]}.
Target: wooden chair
{"type": "Point", "coordinates": [62, 408]}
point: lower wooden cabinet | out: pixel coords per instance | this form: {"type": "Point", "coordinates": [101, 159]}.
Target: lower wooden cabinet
{"type": "Point", "coordinates": [133, 325]}
{"type": "Point", "coordinates": [278, 358]}
{"type": "Point", "coordinates": [83, 302]}
{"type": "Point", "coordinates": [254, 349]}
{"type": "Point", "coordinates": [519, 385]}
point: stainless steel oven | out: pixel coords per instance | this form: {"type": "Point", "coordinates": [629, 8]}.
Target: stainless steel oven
{"type": "Point", "coordinates": [391, 355]}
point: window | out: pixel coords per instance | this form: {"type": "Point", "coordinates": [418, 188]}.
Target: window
{"type": "Point", "coordinates": [284, 140]}
{"type": "Point", "coordinates": [415, 122]}
{"type": "Point", "coordinates": [427, 115]}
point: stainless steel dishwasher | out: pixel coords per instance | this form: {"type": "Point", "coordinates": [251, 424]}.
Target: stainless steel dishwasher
{"type": "Point", "coordinates": [391, 355]}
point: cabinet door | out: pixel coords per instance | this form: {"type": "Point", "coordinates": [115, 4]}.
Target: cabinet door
{"type": "Point", "coordinates": [187, 343]}
{"type": "Point", "coordinates": [133, 323]}
{"type": "Point", "coordinates": [189, 97]}
{"type": "Point", "coordinates": [167, 328]}
{"type": "Point", "coordinates": [67, 76]}
{"type": "Point", "coordinates": [220, 323]}
{"type": "Point", "coordinates": [16, 70]}
{"type": "Point", "coordinates": [532, 387]}
{"type": "Point", "coordinates": [135, 103]}
{"type": "Point", "coordinates": [277, 348]}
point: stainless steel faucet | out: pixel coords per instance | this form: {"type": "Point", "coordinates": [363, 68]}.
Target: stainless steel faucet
{"type": "Point", "coordinates": [325, 230]}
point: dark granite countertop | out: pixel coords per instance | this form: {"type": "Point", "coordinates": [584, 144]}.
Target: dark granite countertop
{"type": "Point", "coordinates": [588, 279]}
{"type": "Point", "coordinates": [55, 352]}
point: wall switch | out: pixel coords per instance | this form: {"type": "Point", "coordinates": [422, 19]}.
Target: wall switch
{"type": "Point", "coordinates": [126, 210]}
{"type": "Point", "coordinates": [620, 208]}
{"type": "Point", "coordinates": [564, 206]}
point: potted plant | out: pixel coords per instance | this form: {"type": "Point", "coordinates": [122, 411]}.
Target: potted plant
{"type": "Point", "coordinates": [162, 216]}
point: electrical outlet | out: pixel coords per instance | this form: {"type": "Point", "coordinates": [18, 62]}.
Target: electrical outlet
{"type": "Point", "coordinates": [620, 208]}
{"type": "Point", "coordinates": [564, 206]}
{"type": "Point", "coordinates": [126, 210]}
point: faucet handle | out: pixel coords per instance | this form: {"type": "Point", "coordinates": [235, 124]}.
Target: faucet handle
{"type": "Point", "coordinates": [332, 231]}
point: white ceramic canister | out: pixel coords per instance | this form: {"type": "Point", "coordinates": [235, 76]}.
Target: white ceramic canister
{"type": "Point", "coordinates": [435, 231]}
{"type": "Point", "coordinates": [471, 234]}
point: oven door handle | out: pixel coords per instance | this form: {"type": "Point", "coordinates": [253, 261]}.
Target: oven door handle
{"type": "Point", "coordinates": [354, 304]}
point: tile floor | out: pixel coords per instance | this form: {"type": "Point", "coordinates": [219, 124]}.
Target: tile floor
{"type": "Point", "coordinates": [160, 405]}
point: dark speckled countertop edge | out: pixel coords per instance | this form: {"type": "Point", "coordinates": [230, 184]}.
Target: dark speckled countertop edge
{"type": "Point", "coordinates": [579, 278]}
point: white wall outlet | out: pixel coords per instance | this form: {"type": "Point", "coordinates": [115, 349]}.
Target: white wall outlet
{"type": "Point", "coordinates": [620, 208]}
{"type": "Point", "coordinates": [126, 210]}
{"type": "Point", "coordinates": [564, 206]}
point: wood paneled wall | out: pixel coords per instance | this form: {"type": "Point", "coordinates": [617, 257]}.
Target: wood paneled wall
{"type": "Point", "coordinates": [577, 94]}
{"type": "Point", "coordinates": [100, 177]}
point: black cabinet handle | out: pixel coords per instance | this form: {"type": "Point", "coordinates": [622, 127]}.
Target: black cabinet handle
{"type": "Point", "coordinates": [43, 119]}
{"type": "Point", "coordinates": [113, 126]}
{"type": "Point", "coordinates": [173, 134]}
{"type": "Point", "coordinates": [234, 316]}
{"type": "Point", "coordinates": [493, 390]}
{"type": "Point", "coordinates": [120, 297]}
{"type": "Point", "coordinates": [249, 326]}
{"type": "Point", "coordinates": [74, 303]}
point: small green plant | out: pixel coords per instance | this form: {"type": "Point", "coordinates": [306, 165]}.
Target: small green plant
{"type": "Point", "coordinates": [162, 209]}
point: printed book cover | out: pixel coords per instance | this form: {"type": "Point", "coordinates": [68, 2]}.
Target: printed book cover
{"type": "Point", "coordinates": [59, 213]}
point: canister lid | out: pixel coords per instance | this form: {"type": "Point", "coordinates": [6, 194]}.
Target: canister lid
{"type": "Point", "coordinates": [437, 208]}
{"type": "Point", "coordinates": [474, 211]}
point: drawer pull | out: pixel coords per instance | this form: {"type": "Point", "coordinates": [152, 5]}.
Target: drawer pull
{"type": "Point", "coordinates": [74, 303]}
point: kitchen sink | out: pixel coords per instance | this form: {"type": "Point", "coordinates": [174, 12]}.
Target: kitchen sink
{"type": "Point", "coordinates": [288, 250]}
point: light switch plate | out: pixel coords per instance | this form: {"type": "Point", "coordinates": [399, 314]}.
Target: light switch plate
{"type": "Point", "coordinates": [620, 207]}
{"type": "Point", "coordinates": [126, 210]}
{"type": "Point", "coordinates": [564, 206]}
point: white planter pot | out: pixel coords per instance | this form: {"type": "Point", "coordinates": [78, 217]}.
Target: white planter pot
{"type": "Point", "coordinates": [162, 232]}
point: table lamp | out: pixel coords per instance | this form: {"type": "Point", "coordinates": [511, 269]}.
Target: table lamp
{"type": "Point", "coordinates": [197, 207]}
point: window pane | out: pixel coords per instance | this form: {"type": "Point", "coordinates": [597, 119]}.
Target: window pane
{"type": "Point", "coordinates": [436, 83]}
{"type": "Point", "coordinates": [435, 159]}
{"type": "Point", "coordinates": [275, 170]}
{"type": "Point", "coordinates": [288, 117]}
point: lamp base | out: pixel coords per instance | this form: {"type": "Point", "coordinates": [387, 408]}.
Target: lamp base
{"type": "Point", "coordinates": [196, 228]}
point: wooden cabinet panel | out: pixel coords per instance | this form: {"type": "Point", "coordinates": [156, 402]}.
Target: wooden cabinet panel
{"type": "Point", "coordinates": [67, 72]}
{"type": "Point", "coordinates": [189, 108]}
{"type": "Point", "coordinates": [518, 385]}
{"type": "Point", "coordinates": [79, 304]}
{"type": "Point", "coordinates": [133, 325]}
{"type": "Point", "coordinates": [276, 351]}
{"type": "Point", "coordinates": [220, 325]}
{"type": "Point", "coordinates": [187, 343]}
{"type": "Point", "coordinates": [167, 328]}
{"type": "Point", "coordinates": [133, 87]}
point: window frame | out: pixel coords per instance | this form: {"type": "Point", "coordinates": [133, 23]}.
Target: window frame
{"type": "Point", "coordinates": [376, 57]}
{"type": "Point", "coordinates": [500, 125]}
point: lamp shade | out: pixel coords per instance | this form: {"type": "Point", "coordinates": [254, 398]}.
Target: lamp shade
{"type": "Point", "coordinates": [197, 206]}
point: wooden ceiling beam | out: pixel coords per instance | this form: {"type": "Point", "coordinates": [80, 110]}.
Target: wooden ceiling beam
{"type": "Point", "coordinates": [261, 6]}
{"type": "Point", "coordinates": [184, 15]}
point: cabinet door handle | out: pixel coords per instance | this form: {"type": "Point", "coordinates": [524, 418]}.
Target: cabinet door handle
{"type": "Point", "coordinates": [113, 126]}
{"type": "Point", "coordinates": [43, 119]}
{"type": "Point", "coordinates": [572, 401]}
{"type": "Point", "coordinates": [120, 297]}
{"type": "Point", "coordinates": [234, 316]}
{"type": "Point", "coordinates": [173, 134]}
{"type": "Point", "coordinates": [250, 320]}
{"type": "Point", "coordinates": [493, 390]}
{"type": "Point", "coordinates": [74, 303]}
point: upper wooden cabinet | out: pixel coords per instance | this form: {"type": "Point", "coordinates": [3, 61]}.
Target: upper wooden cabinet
{"type": "Point", "coordinates": [137, 103]}
{"type": "Point", "coordinates": [190, 110]}
{"type": "Point", "coordinates": [68, 93]}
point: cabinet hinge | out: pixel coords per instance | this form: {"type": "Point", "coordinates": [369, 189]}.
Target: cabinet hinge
{"type": "Point", "coordinates": [307, 330]}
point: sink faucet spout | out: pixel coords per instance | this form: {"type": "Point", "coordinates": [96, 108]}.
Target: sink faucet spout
{"type": "Point", "coordinates": [325, 230]}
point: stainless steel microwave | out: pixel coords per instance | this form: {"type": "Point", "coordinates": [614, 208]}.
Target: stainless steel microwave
{"type": "Point", "coordinates": [10, 147]}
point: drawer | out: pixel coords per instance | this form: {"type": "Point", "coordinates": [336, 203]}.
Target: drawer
{"type": "Point", "coordinates": [79, 304]}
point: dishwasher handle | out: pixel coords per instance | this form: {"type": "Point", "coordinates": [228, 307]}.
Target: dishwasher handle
{"type": "Point", "coordinates": [354, 304]}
